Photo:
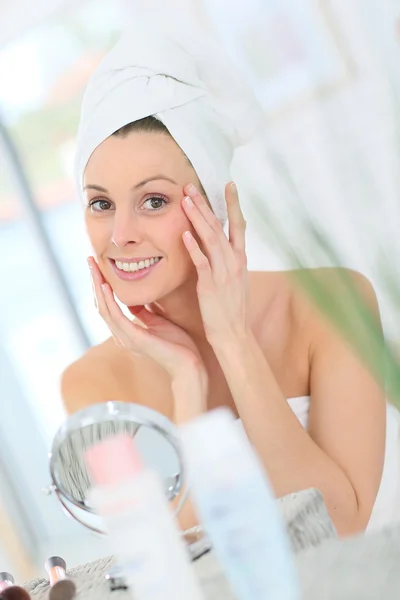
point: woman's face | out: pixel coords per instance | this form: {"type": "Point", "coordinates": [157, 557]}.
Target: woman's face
{"type": "Point", "coordinates": [133, 189]}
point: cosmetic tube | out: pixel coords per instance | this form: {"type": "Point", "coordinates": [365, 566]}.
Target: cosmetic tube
{"type": "Point", "coordinates": [61, 588]}
{"type": "Point", "coordinates": [237, 508]}
{"type": "Point", "coordinates": [141, 527]}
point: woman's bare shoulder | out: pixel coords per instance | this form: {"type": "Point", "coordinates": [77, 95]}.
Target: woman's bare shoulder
{"type": "Point", "coordinates": [301, 284]}
{"type": "Point", "coordinates": [97, 376]}
{"type": "Point", "coordinates": [338, 287]}
{"type": "Point", "coordinates": [303, 294]}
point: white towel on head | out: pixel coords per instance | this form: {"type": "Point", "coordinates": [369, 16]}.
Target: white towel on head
{"type": "Point", "coordinates": [174, 73]}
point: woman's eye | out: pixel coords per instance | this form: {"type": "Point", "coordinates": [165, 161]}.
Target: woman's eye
{"type": "Point", "coordinates": [100, 205]}
{"type": "Point", "coordinates": [154, 203]}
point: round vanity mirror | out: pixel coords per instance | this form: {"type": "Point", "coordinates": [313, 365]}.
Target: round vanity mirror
{"type": "Point", "coordinates": [154, 435]}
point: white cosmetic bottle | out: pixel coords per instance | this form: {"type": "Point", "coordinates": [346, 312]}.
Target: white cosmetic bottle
{"type": "Point", "coordinates": [141, 527]}
{"type": "Point", "coordinates": [237, 508]}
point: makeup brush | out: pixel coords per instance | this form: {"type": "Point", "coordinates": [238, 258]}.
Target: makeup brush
{"type": "Point", "coordinates": [10, 591]}
{"type": "Point", "coordinates": [61, 588]}
{"type": "Point", "coordinates": [14, 592]}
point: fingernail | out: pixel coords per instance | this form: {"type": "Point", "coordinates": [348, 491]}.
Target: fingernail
{"type": "Point", "coordinates": [232, 185]}
{"type": "Point", "coordinates": [188, 235]}
{"type": "Point", "coordinates": [188, 202]}
{"type": "Point", "coordinates": [89, 262]}
{"type": "Point", "coordinates": [192, 189]}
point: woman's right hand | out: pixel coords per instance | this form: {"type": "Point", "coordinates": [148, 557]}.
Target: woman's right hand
{"type": "Point", "coordinates": [160, 340]}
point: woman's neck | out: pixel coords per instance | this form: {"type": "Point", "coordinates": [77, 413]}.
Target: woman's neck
{"type": "Point", "coordinates": [182, 308]}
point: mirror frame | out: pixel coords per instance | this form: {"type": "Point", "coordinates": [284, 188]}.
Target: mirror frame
{"type": "Point", "coordinates": [104, 412]}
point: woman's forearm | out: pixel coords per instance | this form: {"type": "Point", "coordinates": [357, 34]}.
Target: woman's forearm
{"type": "Point", "coordinates": [190, 400]}
{"type": "Point", "coordinates": [292, 459]}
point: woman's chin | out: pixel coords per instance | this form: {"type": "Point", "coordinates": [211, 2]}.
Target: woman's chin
{"type": "Point", "coordinates": [135, 299]}
{"type": "Point", "coordinates": [143, 292]}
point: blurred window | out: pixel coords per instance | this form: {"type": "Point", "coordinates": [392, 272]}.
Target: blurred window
{"type": "Point", "coordinates": [43, 75]}
{"type": "Point", "coordinates": [47, 317]}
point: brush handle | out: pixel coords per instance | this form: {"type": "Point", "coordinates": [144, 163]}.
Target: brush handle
{"type": "Point", "coordinates": [56, 568]}
{"type": "Point", "coordinates": [6, 579]}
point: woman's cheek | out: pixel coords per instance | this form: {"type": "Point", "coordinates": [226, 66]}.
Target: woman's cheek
{"type": "Point", "coordinates": [176, 224]}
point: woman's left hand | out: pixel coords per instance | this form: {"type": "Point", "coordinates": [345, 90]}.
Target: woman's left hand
{"type": "Point", "coordinates": [221, 266]}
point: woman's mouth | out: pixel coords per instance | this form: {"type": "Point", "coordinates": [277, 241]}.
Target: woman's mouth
{"type": "Point", "coordinates": [132, 270]}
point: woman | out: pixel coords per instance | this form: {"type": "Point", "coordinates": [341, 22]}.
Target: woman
{"type": "Point", "coordinates": [206, 331]}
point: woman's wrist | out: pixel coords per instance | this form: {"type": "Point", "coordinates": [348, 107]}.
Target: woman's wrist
{"type": "Point", "coordinates": [190, 390]}
{"type": "Point", "coordinates": [242, 363]}
{"type": "Point", "coordinates": [237, 345]}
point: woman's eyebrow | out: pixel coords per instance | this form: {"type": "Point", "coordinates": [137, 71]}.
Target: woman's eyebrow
{"type": "Point", "coordinates": [92, 186]}
{"type": "Point", "coordinates": [153, 178]}
{"type": "Point", "coordinates": [99, 188]}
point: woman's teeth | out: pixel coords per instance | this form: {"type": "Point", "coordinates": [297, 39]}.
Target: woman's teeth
{"type": "Point", "coordinates": [136, 266]}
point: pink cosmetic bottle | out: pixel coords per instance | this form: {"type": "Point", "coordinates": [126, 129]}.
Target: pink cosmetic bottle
{"type": "Point", "coordinates": [141, 527]}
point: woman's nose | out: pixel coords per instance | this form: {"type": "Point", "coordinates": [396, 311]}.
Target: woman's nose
{"type": "Point", "coordinates": [125, 229]}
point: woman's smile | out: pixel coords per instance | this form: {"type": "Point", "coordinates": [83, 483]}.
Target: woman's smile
{"type": "Point", "coordinates": [130, 270]}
